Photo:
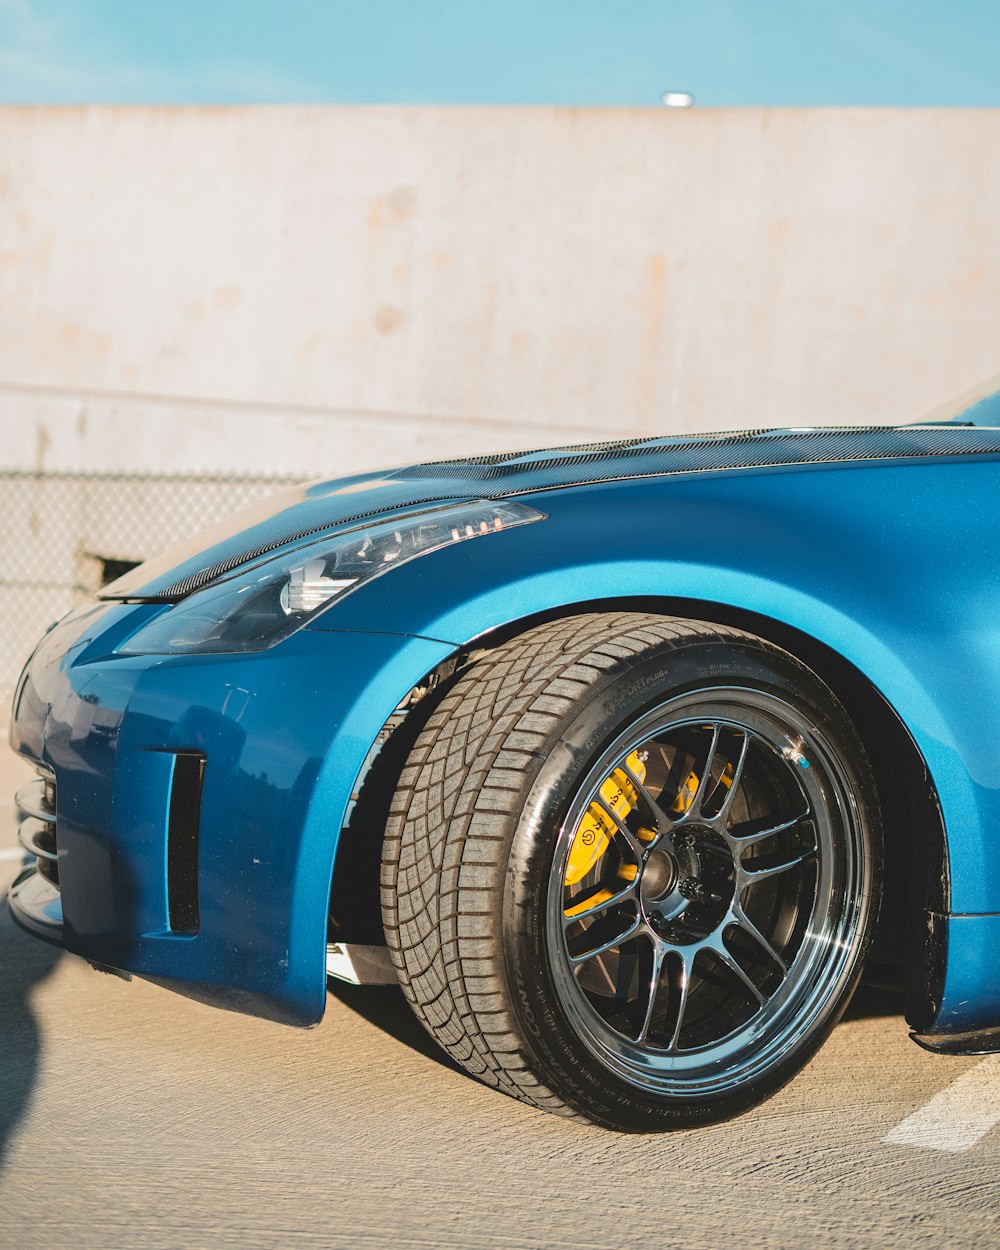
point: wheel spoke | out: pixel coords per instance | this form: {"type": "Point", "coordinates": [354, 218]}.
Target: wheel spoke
{"type": "Point", "coordinates": [744, 922]}
{"type": "Point", "coordinates": [694, 810]}
{"type": "Point", "coordinates": [685, 985]}
{"type": "Point", "coordinates": [720, 950]}
{"type": "Point", "coordinates": [664, 824]}
{"type": "Point", "coordinates": [637, 848]}
{"type": "Point", "coordinates": [750, 839]}
{"type": "Point", "coordinates": [722, 816]}
{"type": "Point", "coordinates": [659, 952]}
{"type": "Point", "coordinates": [633, 928]}
{"type": "Point", "coordinates": [625, 968]}
{"type": "Point", "coordinates": [750, 876]}
{"type": "Point", "coordinates": [598, 905]}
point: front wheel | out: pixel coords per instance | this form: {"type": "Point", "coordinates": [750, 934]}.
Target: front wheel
{"type": "Point", "coordinates": [632, 869]}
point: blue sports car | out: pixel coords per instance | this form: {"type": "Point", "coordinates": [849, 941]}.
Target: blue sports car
{"type": "Point", "coordinates": [623, 759]}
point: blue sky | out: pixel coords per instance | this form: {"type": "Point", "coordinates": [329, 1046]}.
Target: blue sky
{"type": "Point", "coordinates": [571, 52]}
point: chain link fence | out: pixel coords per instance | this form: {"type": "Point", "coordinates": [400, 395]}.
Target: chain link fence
{"type": "Point", "coordinates": [63, 535]}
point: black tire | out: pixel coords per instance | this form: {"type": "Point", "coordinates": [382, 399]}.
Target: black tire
{"type": "Point", "coordinates": [483, 855]}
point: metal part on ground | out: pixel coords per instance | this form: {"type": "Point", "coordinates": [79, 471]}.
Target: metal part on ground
{"type": "Point", "coordinates": [360, 965]}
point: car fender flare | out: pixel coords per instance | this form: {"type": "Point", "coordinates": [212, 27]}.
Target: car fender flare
{"type": "Point", "coordinates": [903, 675]}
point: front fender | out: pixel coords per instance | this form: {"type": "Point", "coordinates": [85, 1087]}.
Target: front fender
{"type": "Point", "coordinates": [845, 557]}
{"type": "Point", "coordinates": [284, 735]}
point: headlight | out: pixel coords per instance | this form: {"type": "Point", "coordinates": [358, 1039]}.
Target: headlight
{"type": "Point", "coordinates": [257, 607]}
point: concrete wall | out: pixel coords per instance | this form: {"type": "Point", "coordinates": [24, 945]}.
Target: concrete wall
{"type": "Point", "coordinates": [312, 290]}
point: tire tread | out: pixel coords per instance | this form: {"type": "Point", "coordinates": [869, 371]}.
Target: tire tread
{"type": "Point", "coordinates": [446, 839]}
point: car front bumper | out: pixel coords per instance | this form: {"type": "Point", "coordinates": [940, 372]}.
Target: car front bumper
{"type": "Point", "coordinates": [283, 735]}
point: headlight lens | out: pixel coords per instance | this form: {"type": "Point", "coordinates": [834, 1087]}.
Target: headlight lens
{"type": "Point", "coordinates": [257, 607]}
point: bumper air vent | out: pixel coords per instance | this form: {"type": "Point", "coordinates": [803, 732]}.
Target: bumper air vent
{"type": "Point", "coordinates": [183, 822]}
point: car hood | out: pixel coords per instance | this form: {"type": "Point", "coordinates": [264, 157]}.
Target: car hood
{"type": "Point", "coordinates": [315, 508]}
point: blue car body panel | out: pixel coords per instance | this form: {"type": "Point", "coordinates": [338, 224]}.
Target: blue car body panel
{"type": "Point", "coordinates": [284, 737]}
{"type": "Point", "coordinates": [851, 556]}
{"type": "Point", "coordinates": [879, 544]}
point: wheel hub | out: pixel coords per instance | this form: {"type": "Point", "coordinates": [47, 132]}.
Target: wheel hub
{"type": "Point", "coordinates": [660, 875]}
{"type": "Point", "coordinates": [686, 888]}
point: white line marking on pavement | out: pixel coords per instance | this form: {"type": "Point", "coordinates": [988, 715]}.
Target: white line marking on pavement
{"type": "Point", "coordinates": [956, 1118]}
{"type": "Point", "coordinates": [13, 852]}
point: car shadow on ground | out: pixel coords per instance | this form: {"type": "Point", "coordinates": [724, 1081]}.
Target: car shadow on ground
{"type": "Point", "coordinates": [24, 964]}
{"type": "Point", "coordinates": [385, 1007]}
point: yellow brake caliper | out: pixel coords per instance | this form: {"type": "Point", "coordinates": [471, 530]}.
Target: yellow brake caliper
{"type": "Point", "coordinates": [597, 828]}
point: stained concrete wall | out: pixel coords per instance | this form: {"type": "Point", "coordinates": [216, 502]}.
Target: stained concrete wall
{"type": "Point", "coordinates": [312, 290]}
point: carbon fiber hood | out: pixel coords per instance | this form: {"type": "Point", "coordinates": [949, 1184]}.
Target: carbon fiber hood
{"type": "Point", "coordinates": [318, 507]}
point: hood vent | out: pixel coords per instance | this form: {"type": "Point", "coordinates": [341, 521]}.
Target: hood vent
{"type": "Point", "coordinates": [754, 449]}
